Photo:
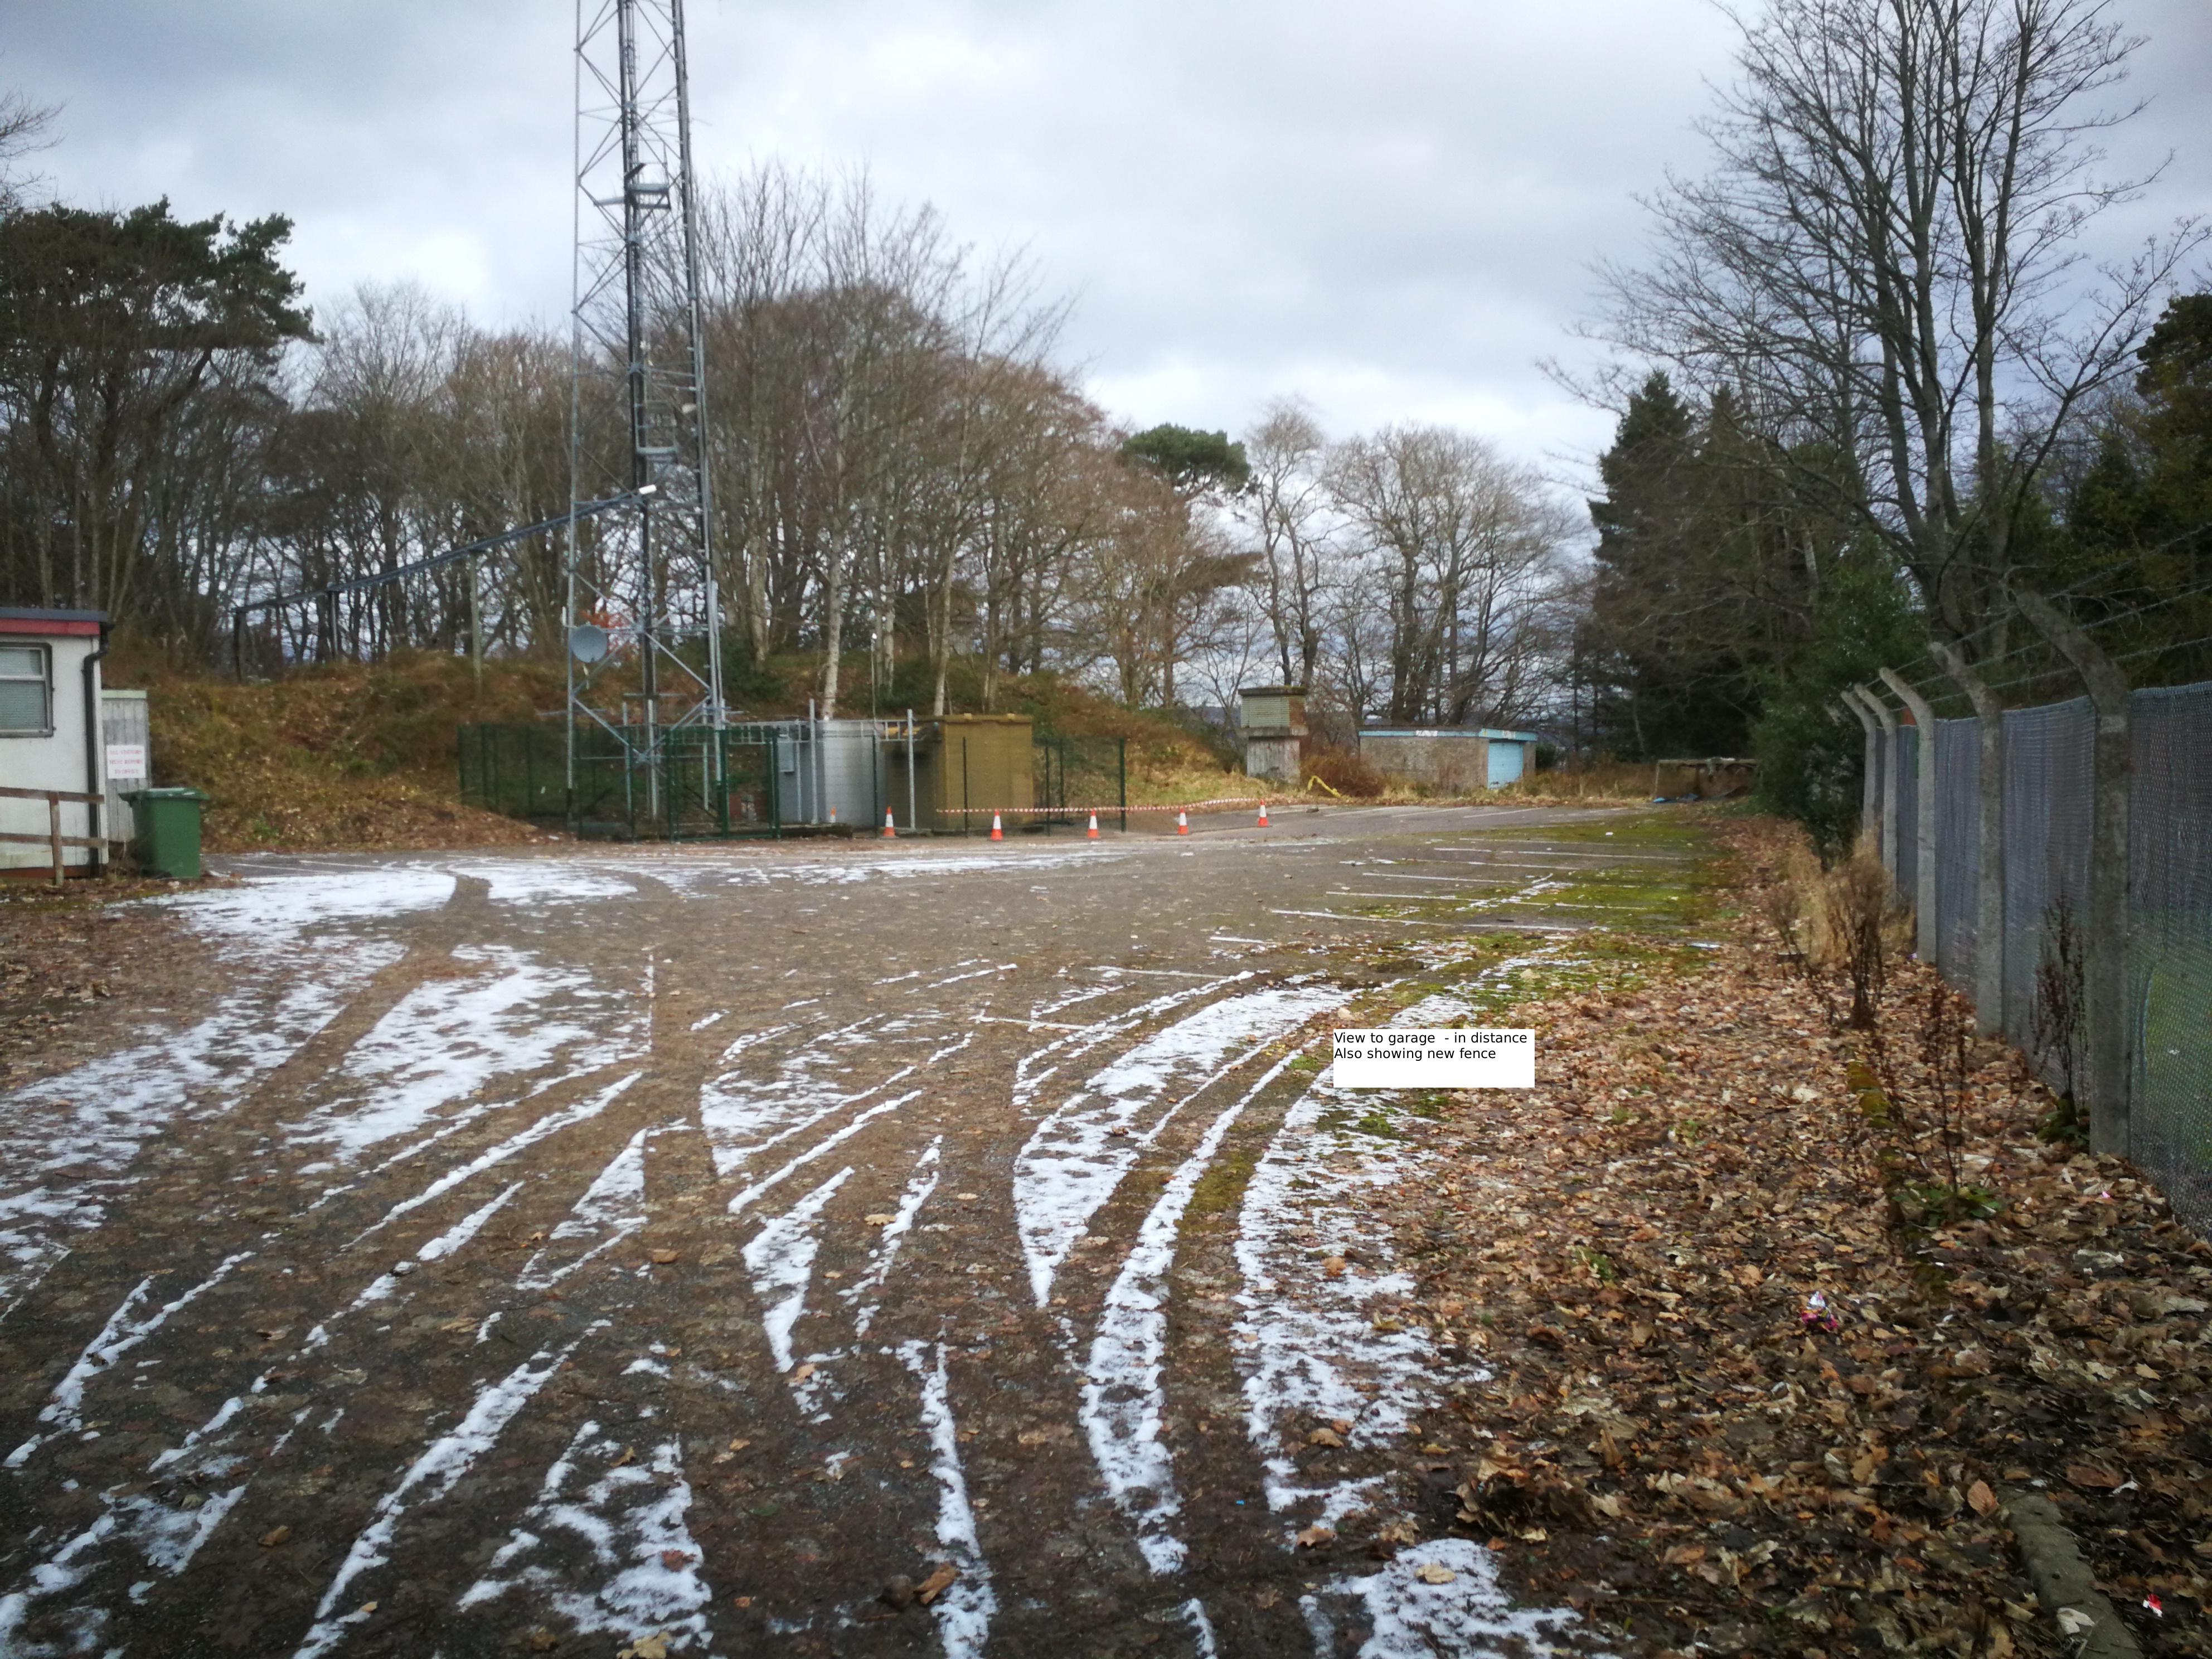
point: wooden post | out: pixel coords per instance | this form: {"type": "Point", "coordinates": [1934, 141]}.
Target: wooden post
{"type": "Point", "coordinates": [1925, 932]}
{"type": "Point", "coordinates": [2105, 971]}
{"type": "Point", "coordinates": [54, 831]}
{"type": "Point", "coordinates": [1988, 897]}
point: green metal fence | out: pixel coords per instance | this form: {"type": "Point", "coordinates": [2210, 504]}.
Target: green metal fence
{"type": "Point", "coordinates": [707, 785]}
{"type": "Point", "coordinates": [1074, 777]}
{"type": "Point", "coordinates": [752, 780]}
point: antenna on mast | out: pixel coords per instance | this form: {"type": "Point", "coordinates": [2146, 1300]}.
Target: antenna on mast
{"type": "Point", "coordinates": [644, 720]}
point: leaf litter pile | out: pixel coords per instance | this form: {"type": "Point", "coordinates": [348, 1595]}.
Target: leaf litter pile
{"type": "Point", "coordinates": [1766, 1355]}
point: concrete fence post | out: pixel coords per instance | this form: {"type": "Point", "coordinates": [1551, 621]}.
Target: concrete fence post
{"type": "Point", "coordinates": [2105, 935]}
{"type": "Point", "coordinates": [1990, 888]}
{"type": "Point", "coordinates": [1887, 718]}
{"type": "Point", "coordinates": [1925, 928]}
{"type": "Point", "coordinates": [1870, 773]}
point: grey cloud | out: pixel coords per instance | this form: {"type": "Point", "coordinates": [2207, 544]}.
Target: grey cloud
{"type": "Point", "coordinates": [1391, 206]}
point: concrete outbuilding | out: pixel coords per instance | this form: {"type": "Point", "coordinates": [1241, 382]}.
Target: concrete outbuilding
{"type": "Point", "coordinates": [1460, 758]}
{"type": "Point", "coordinates": [1274, 721]}
{"type": "Point", "coordinates": [52, 754]}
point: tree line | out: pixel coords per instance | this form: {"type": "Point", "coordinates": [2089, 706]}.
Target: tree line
{"type": "Point", "coordinates": [913, 498]}
{"type": "Point", "coordinates": [1878, 404]}
{"type": "Point", "coordinates": [1870, 390]}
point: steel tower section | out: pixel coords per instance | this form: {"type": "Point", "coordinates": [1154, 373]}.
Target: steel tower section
{"type": "Point", "coordinates": [639, 698]}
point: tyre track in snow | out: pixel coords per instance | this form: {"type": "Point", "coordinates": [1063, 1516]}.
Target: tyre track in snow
{"type": "Point", "coordinates": [251, 1420]}
{"type": "Point", "coordinates": [578, 1380]}
{"type": "Point", "coordinates": [451, 1314]}
{"type": "Point", "coordinates": [76, 1139]}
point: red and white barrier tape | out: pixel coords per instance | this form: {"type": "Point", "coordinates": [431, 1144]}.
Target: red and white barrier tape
{"type": "Point", "coordinates": [1104, 812]}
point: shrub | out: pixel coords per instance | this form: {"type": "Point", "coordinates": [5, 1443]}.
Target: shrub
{"type": "Point", "coordinates": [1344, 770]}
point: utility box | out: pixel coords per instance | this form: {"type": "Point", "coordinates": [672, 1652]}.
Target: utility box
{"type": "Point", "coordinates": [168, 831]}
{"type": "Point", "coordinates": [1274, 721]}
{"type": "Point", "coordinates": [964, 767]}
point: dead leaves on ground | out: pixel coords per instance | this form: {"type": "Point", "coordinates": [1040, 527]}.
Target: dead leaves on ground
{"type": "Point", "coordinates": [1726, 1407]}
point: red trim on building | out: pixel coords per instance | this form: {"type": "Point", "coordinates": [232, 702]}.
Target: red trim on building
{"type": "Point", "coordinates": [45, 626]}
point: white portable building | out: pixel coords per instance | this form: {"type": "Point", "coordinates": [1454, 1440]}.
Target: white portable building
{"type": "Point", "coordinates": [51, 737]}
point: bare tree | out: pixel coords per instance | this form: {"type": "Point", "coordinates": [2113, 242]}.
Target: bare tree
{"type": "Point", "coordinates": [1885, 263]}
{"type": "Point", "coordinates": [1287, 504]}
{"type": "Point", "coordinates": [25, 127]}
{"type": "Point", "coordinates": [1466, 546]}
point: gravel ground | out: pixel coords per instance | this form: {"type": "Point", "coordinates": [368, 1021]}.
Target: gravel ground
{"type": "Point", "coordinates": [824, 1249]}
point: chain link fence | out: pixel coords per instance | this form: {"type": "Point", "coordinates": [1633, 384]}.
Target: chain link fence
{"type": "Point", "coordinates": [1907, 771]}
{"type": "Point", "coordinates": [1958, 847]}
{"type": "Point", "coordinates": [2049, 807]}
{"type": "Point", "coordinates": [2050, 798]}
{"type": "Point", "coordinates": [2170, 943]}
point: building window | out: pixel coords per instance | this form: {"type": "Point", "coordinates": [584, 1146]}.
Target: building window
{"type": "Point", "coordinates": [27, 700]}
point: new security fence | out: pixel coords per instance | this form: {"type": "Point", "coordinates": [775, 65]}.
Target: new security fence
{"type": "Point", "coordinates": [2053, 881]}
{"type": "Point", "coordinates": [711, 784]}
{"type": "Point", "coordinates": [773, 778]}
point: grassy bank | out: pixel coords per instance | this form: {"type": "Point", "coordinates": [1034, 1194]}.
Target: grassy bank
{"type": "Point", "coordinates": [364, 754]}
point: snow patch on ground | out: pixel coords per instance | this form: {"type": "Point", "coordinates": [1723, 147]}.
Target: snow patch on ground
{"type": "Point", "coordinates": [746, 1115]}
{"type": "Point", "coordinates": [1304, 1341]}
{"type": "Point", "coordinates": [1124, 1395]}
{"type": "Point", "coordinates": [1084, 1148]}
{"type": "Point", "coordinates": [965, 1609]}
{"type": "Point", "coordinates": [744, 1198]}
{"type": "Point", "coordinates": [428, 1479]}
{"type": "Point", "coordinates": [546, 881]}
{"type": "Point", "coordinates": [1306, 1347]}
{"type": "Point", "coordinates": [781, 1259]}
{"type": "Point", "coordinates": [126, 1328]}
{"type": "Point", "coordinates": [552, 1123]}
{"type": "Point", "coordinates": [607, 1545]}
{"type": "Point", "coordinates": [274, 911]}
{"type": "Point", "coordinates": [167, 1535]}
{"type": "Point", "coordinates": [443, 1041]}
{"type": "Point", "coordinates": [611, 1209]}
{"type": "Point", "coordinates": [887, 864]}
{"type": "Point", "coordinates": [466, 1229]}
{"type": "Point", "coordinates": [1467, 1616]}
{"type": "Point", "coordinates": [67, 1143]}
{"type": "Point", "coordinates": [884, 1252]}
{"type": "Point", "coordinates": [1434, 1011]}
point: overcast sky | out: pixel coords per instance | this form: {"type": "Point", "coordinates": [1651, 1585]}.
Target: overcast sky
{"type": "Point", "coordinates": [1388, 207]}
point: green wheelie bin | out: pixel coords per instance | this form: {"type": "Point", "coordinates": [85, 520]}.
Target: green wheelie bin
{"type": "Point", "coordinates": [168, 840]}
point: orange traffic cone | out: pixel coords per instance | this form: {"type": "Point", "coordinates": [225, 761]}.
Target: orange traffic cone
{"type": "Point", "coordinates": [1182, 824]}
{"type": "Point", "coordinates": [891, 831]}
{"type": "Point", "coordinates": [1263, 815]}
{"type": "Point", "coordinates": [998, 832]}
{"type": "Point", "coordinates": [1093, 835]}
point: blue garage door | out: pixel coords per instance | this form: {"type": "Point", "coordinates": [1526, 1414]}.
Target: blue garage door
{"type": "Point", "coordinates": [1505, 762]}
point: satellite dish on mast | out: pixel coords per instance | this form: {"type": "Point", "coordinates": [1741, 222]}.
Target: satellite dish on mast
{"type": "Point", "coordinates": [588, 644]}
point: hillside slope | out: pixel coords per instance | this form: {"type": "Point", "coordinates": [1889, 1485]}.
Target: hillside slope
{"type": "Point", "coordinates": [363, 756]}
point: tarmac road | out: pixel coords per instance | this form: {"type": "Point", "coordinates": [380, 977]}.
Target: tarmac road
{"type": "Point", "coordinates": [853, 1248]}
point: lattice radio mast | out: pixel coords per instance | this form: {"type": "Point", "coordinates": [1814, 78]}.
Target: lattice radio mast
{"type": "Point", "coordinates": [641, 597]}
